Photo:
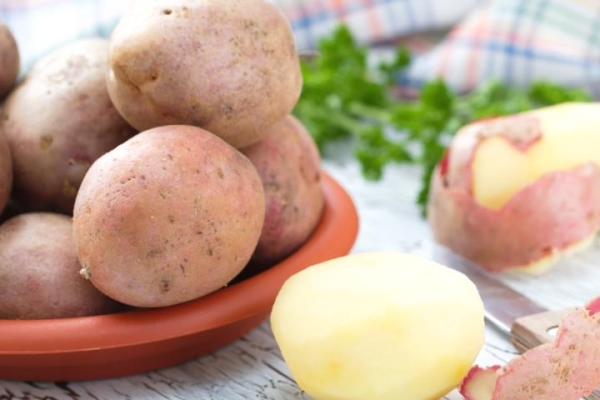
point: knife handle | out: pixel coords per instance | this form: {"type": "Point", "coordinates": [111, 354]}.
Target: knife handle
{"type": "Point", "coordinates": [532, 330]}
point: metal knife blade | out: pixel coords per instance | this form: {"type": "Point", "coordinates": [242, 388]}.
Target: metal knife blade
{"type": "Point", "coordinates": [527, 323]}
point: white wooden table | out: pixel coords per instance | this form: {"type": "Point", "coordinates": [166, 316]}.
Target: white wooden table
{"type": "Point", "coordinates": [252, 368]}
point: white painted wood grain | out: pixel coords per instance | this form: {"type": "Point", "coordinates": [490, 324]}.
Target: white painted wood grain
{"type": "Point", "coordinates": [252, 368]}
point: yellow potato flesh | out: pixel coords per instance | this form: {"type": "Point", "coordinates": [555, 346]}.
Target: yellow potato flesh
{"type": "Point", "coordinates": [570, 138]}
{"type": "Point", "coordinates": [378, 326]}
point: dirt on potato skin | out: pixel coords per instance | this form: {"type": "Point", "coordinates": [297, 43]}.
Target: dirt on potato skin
{"type": "Point", "coordinates": [153, 234]}
{"type": "Point", "coordinates": [234, 71]}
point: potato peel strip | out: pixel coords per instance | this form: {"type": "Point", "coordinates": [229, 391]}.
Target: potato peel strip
{"type": "Point", "coordinates": [567, 369]}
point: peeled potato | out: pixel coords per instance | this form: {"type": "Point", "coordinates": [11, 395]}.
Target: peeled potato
{"type": "Point", "coordinates": [378, 326]}
{"type": "Point", "coordinates": [520, 191]}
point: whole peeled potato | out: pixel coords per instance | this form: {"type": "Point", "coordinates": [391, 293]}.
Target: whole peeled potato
{"type": "Point", "coordinates": [230, 67]}
{"type": "Point", "coordinates": [58, 121]}
{"type": "Point", "coordinates": [170, 215]}
{"type": "Point", "coordinates": [289, 165]}
{"type": "Point", "coordinates": [9, 60]}
{"type": "Point", "coordinates": [39, 271]}
{"type": "Point", "coordinates": [6, 173]}
{"type": "Point", "coordinates": [378, 326]}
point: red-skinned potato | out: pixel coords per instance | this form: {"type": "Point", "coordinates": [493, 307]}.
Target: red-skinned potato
{"type": "Point", "coordinates": [517, 192]}
{"type": "Point", "coordinates": [58, 120]}
{"type": "Point", "coordinates": [9, 60]}
{"type": "Point", "coordinates": [289, 165]}
{"type": "Point", "coordinates": [6, 173]}
{"type": "Point", "coordinates": [39, 271]}
{"type": "Point", "coordinates": [230, 67]}
{"type": "Point", "coordinates": [170, 215]}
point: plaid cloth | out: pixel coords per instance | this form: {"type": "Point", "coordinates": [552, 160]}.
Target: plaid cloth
{"type": "Point", "coordinates": [371, 20]}
{"type": "Point", "coordinates": [516, 41]}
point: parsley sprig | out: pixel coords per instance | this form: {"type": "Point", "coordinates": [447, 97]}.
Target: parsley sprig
{"type": "Point", "coordinates": [347, 96]}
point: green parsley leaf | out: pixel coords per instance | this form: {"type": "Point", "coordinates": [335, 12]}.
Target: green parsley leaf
{"type": "Point", "coordinates": [345, 96]}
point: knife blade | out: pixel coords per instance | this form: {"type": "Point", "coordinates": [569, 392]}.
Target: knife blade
{"type": "Point", "coordinates": [527, 323]}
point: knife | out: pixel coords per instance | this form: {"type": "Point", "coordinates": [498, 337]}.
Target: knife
{"type": "Point", "coordinates": [527, 323]}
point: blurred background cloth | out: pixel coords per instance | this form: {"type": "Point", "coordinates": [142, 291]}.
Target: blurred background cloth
{"type": "Point", "coordinates": [371, 21]}
{"type": "Point", "coordinates": [515, 41]}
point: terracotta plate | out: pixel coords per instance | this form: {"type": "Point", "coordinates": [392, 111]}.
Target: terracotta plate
{"type": "Point", "coordinates": [133, 342]}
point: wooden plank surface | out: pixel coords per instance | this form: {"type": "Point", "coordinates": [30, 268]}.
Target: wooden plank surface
{"type": "Point", "coordinates": [252, 368]}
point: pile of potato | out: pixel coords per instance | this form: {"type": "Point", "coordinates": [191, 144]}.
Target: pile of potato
{"type": "Point", "coordinates": [152, 168]}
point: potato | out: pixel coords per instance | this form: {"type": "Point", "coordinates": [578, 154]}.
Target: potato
{"type": "Point", "coordinates": [6, 173]}
{"type": "Point", "coordinates": [230, 67]}
{"type": "Point", "coordinates": [58, 121]}
{"type": "Point", "coordinates": [9, 60]}
{"type": "Point", "coordinates": [168, 216]}
{"type": "Point", "coordinates": [520, 191]}
{"type": "Point", "coordinates": [39, 271]}
{"type": "Point", "coordinates": [378, 326]}
{"type": "Point", "coordinates": [289, 165]}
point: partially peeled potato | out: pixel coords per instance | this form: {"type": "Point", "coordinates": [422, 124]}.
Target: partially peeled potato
{"type": "Point", "coordinates": [519, 191]}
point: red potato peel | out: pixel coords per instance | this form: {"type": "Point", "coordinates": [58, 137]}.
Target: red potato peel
{"type": "Point", "coordinates": [479, 383]}
{"type": "Point", "coordinates": [528, 228]}
{"type": "Point", "coordinates": [567, 369]}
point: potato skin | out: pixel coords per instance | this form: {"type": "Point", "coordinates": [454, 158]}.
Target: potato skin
{"type": "Point", "coordinates": [169, 216]}
{"type": "Point", "coordinates": [230, 67]}
{"type": "Point", "coordinates": [557, 211]}
{"type": "Point", "coordinates": [39, 271]}
{"type": "Point", "coordinates": [73, 124]}
{"type": "Point", "coordinates": [288, 162]}
{"type": "Point", "coordinates": [9, 60]}
{"type": "Point", "coordinates": [6, 172]}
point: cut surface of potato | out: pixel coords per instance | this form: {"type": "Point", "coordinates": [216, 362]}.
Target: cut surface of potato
{"type": "Point", "coordinates": [378, 326]}
{"type": "Point", "coordinates": [568, 135]}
